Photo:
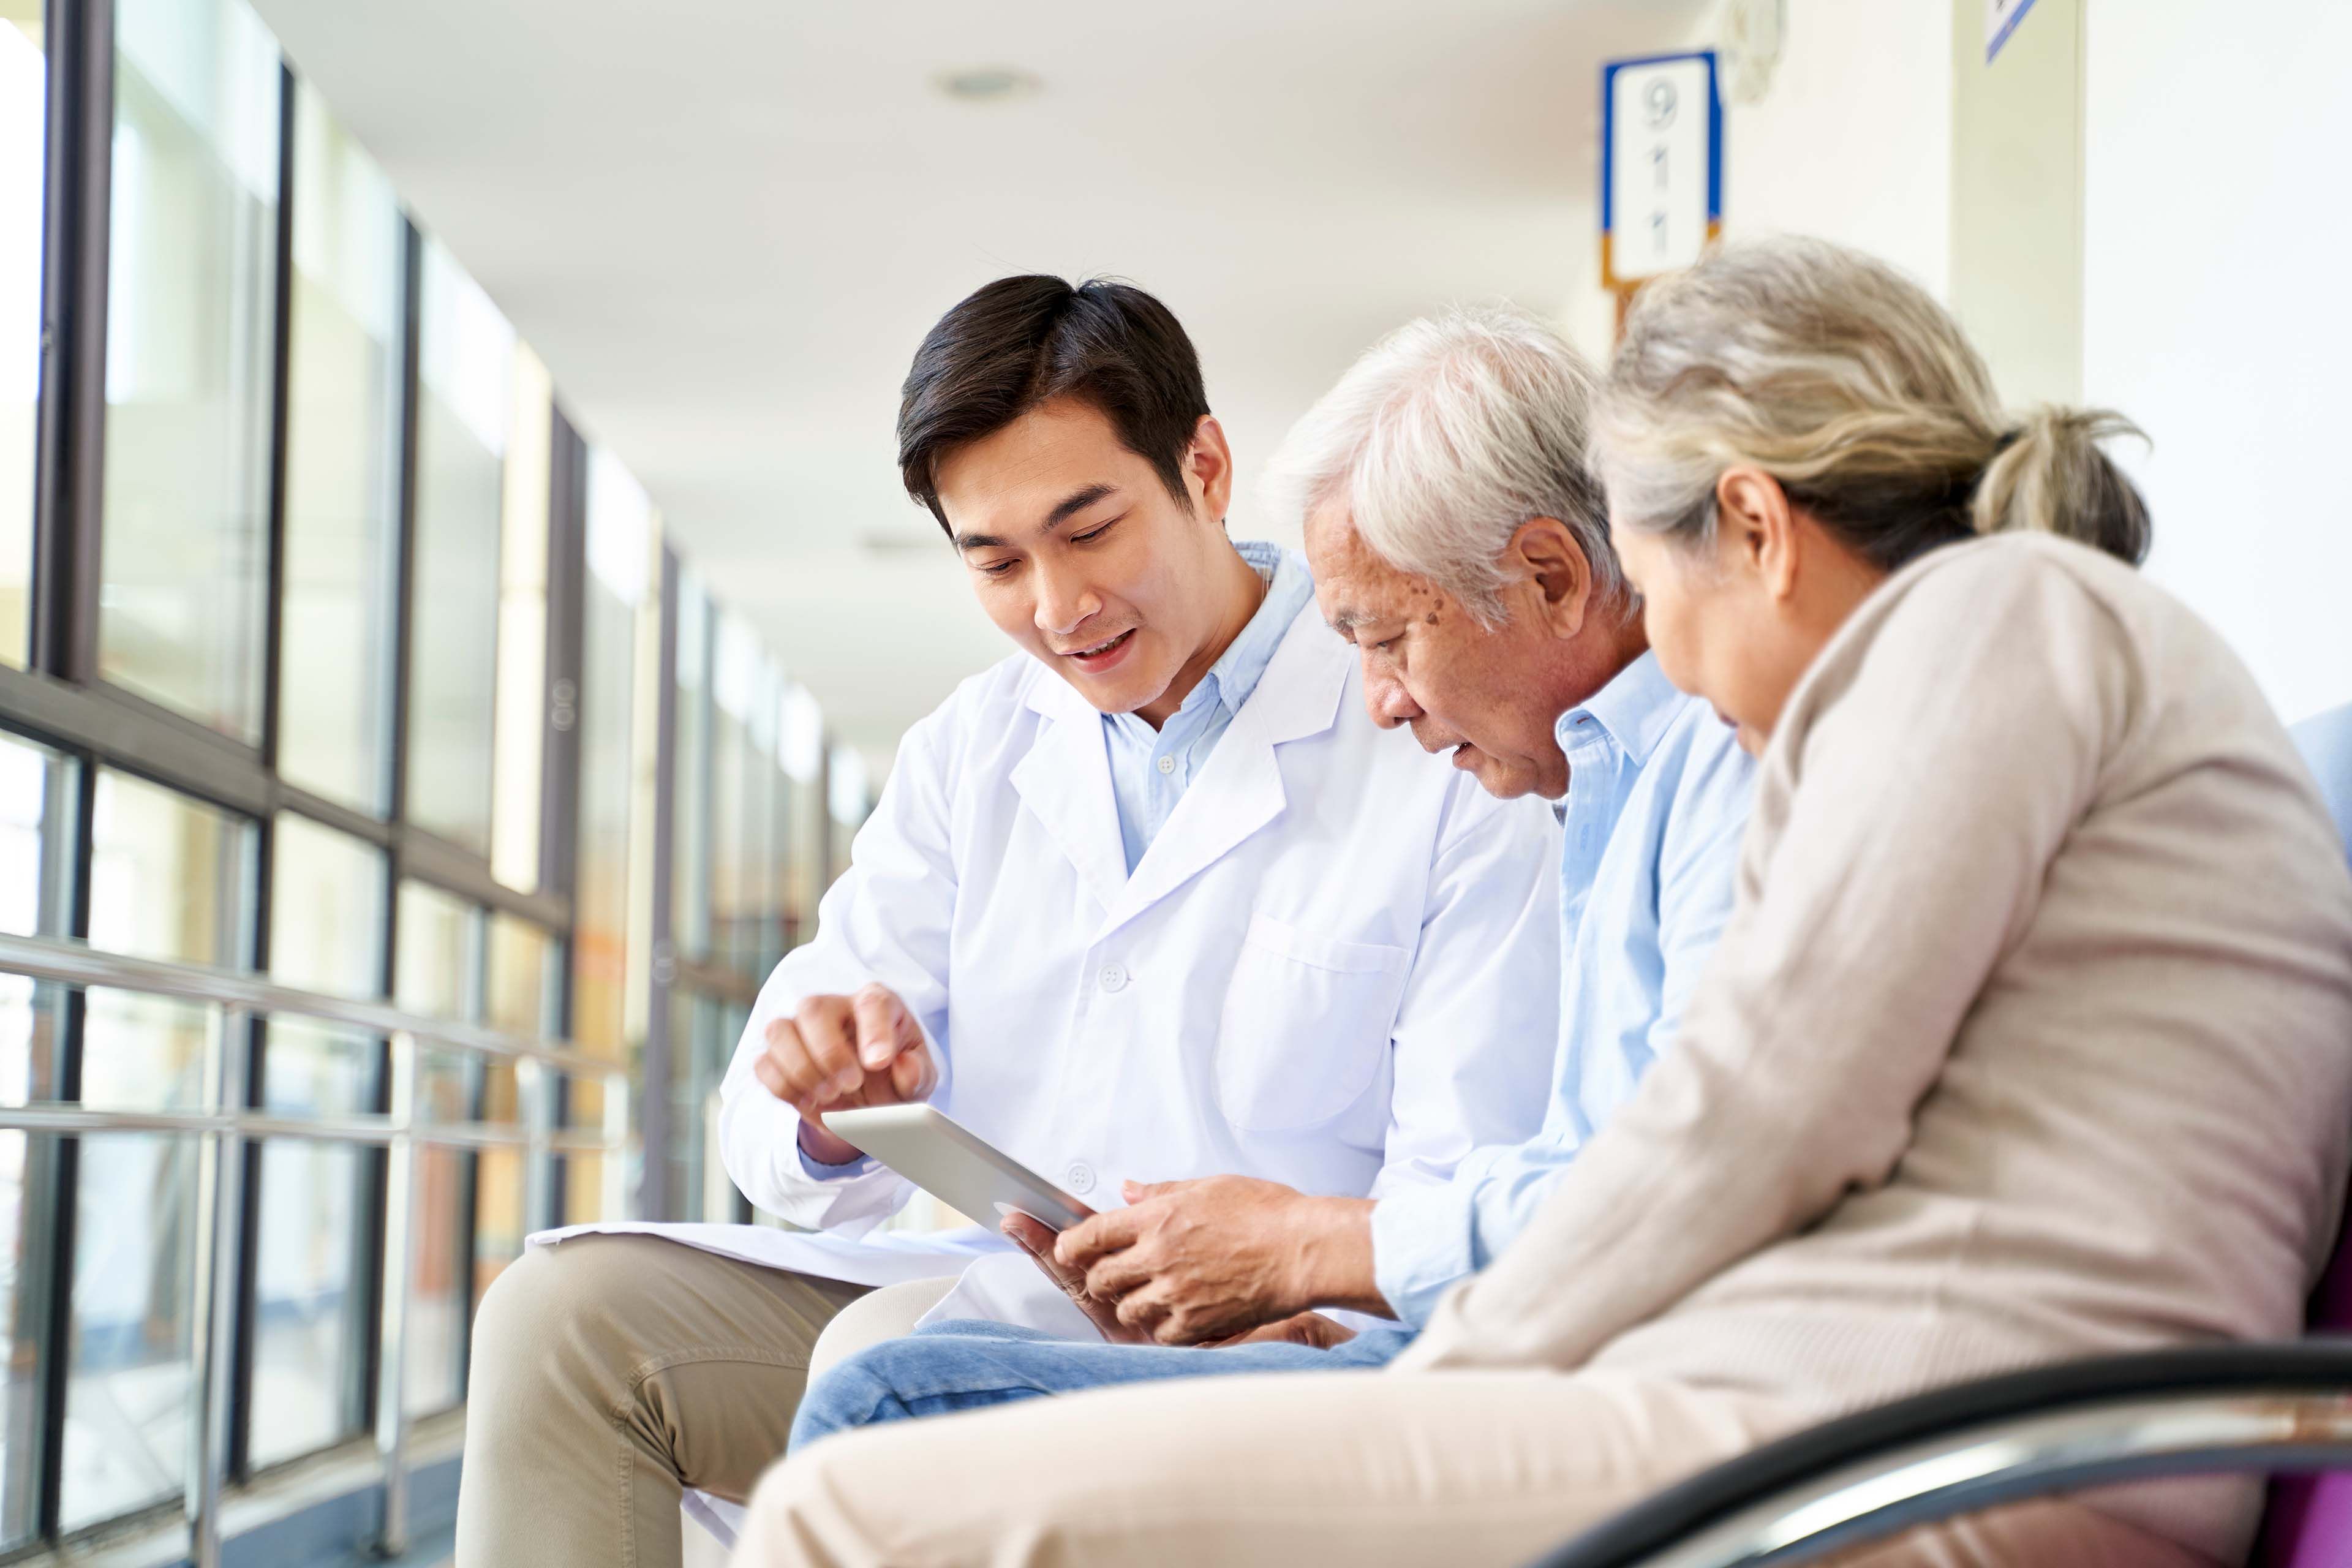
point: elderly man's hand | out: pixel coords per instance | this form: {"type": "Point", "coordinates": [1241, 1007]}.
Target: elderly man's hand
{"type": "Point", "coordinates": [1037, 1241]}
{"type": "Point", "coordinates": [1192, 1262]}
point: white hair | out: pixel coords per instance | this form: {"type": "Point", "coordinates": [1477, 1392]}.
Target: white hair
{"type": "Point", "coordinates": [1442, 440]}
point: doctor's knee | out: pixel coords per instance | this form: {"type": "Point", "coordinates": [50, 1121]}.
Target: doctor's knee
{"type": "Point", "coordinates": [548, 1305]}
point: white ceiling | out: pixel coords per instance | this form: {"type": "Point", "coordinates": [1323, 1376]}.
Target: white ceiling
{"type": "Point", "coordinates": [726, 223]}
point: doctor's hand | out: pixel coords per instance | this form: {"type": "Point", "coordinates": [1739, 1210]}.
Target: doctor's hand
{"type": "Point", "coordinates": [836, 1052]}
{"type": "Point", "coordinates": [1192, 1262]}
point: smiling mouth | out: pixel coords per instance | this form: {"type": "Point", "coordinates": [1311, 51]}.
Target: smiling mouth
{"type": "Point", "coordinates": [1101, 650]}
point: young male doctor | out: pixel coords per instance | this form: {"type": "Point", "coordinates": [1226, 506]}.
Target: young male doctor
{"type": "Point", "coordinates": [1152, 899]}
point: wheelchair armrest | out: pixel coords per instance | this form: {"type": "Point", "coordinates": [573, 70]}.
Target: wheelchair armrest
{"type": "Point", "coordinates": [2194, 1410]}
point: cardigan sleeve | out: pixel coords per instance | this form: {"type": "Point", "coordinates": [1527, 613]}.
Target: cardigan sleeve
{"type": "Point", "coordinates": [1924, 775]}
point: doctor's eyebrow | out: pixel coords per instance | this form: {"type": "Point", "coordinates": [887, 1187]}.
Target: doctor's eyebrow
{"type": "Point", "coordinates": [1076, 501]}
{"type": "Point", "coordinates": [1068, 507]}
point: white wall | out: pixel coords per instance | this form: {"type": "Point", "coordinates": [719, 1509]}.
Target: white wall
{"type": "Point", "coordinates": [1852, 140]}
{"type": "Point", "coordinates": [2217, 246]}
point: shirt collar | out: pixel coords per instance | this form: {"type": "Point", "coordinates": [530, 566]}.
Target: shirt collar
{"type": "Point", "coordinates": [1239, 668]}
{"type": "Point", "coordinates": [1634, 708]}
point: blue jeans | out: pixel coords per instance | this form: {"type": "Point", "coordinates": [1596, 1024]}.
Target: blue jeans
{"type": "Point", "coordinates": [968, 1365]}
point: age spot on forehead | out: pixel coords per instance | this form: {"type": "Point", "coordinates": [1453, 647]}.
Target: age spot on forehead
{"type": "Point", "coordinates": [1432, 619]}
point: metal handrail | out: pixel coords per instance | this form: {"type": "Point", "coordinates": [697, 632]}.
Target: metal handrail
{"type": "Point", "coordinates": [73, 964]}
{"type": "Point", "coordinates": [225, 1122]}
{"type": "Point", "coordinates": [2010, 1460]}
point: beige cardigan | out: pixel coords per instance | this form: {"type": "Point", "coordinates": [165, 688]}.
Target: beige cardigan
{"type": "Point", "coordinates": [2031, 1036]}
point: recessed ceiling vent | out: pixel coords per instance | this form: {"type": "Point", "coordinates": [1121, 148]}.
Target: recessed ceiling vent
{"type": "Point", "coordinates": [987, 84]}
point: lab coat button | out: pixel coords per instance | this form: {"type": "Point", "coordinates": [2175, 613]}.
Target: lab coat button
{"type": "Point", "coordinates": [1113, 977]}
{"type": "Point", "coordinates": [1081, 1177]}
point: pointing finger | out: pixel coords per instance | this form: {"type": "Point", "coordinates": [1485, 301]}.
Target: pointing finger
{"type": "Point", "coordinates": [883, 1026]}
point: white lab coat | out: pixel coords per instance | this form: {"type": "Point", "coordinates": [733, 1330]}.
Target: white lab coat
{"type": "Point", "coordinates": [1336, 967]}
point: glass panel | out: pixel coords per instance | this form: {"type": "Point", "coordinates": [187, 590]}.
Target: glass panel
{"type": "Point", "coordinates": [37, 806]}
{"type": "Point", "coordinates": [523, 628]}
{"type": "Point", "coordinates": [189, 357]}
{"type": "Point", "coordinates": [309, 1332]}
{"type": "Point", "coordinates": [465, 417]}
{"type": "Point", "coordinates": [326, 924]}
{"type": "Point", "coordinates": [25, 1187]}
{"type": "Point", "coordinates": [24, 110]}
{"type": "Point", "coordinates": [127, 1387]}
{"type": "Point", "coordinates": [326, 909]}
{"type": "Point", "coordinates": [168, 878]}
{"type": "Point", "coordinates": [583, 1189]}
{"type": "Point", "coordinates": [800, 744]}
{"type": "Point", "coordinates": [734, 682]}
{"type": "Point", "coordinates": [522, 977]}
{"type": "Point", "coordinates": [848, 801]}
{"type": "Point", "coordinates": [437, 1308]}
{"type": "Point", "coordinates": [698, 1026]}
{"type": "Point", "coordinates": [439, 938]}
{"type": "Point", "coordinates": [342, 460]}
{"type": "Point", "coordinates": [498, 1215]}
{"type": "Point", "coordinates": [620, 545]}
{"type": "Point", "coordinates": [438, 933]}
{"type": "Point", "coordinates": [167, 875]}
{"type": "Point", "coordinates": [690, 858]}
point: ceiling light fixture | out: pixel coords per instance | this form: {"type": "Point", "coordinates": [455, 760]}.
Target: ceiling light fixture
{"type": "Point", "coordinates": [987, 84]}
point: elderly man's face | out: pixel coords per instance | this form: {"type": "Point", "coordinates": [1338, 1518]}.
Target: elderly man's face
{"type": "Point", "coordinates": [1460, 687]}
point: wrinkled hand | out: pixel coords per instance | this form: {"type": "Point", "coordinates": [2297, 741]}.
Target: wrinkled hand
{"type": "Point", "coordinates": [1037, 1241]}
{"type": "Point", "coordinates": [1189, 1262]}
{"type": "Point", "coordinates": [836, 1052]}
{"type": "Point", "coordinates": [1306, 1329]}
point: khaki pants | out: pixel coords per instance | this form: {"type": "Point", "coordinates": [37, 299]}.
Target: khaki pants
{"type": "Point", "coordinates": [610, 1372]}
{"type": "Point", "coordinates": [1370, 1469]}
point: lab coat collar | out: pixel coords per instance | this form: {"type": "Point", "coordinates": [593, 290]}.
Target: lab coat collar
{"type": "Point", "coordinates": [1239, 789]}
{"type": "Point", "coordinates": [1065, 781]}
{"type": "Point", "coordinates": [1065, 778]}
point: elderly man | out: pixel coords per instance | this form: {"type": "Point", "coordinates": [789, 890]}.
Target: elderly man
{"type": "Point", "coordinates": [1458, 543]}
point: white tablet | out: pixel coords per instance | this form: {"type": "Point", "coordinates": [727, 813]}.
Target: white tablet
{"type": "Point", "coordinates": [954, 1165]}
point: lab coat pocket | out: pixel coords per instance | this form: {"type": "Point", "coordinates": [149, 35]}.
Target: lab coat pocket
{"type": "Point", "coordinates": [1305, 1026]}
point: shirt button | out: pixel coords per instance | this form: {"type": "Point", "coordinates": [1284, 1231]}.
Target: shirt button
{"type": "Point", "coordinates": [1166, 764]}
{"type": "Point", "coordinates": [1081, 1176]}
{"type": "Point", "coordinates": [1113, 977]}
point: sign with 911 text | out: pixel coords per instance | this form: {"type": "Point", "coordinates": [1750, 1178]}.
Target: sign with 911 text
{"type": "Point", "coordinates": [1661, 164]}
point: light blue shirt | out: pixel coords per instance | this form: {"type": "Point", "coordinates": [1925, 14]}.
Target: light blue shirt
{"type": "Point", "coordinates": [1657, 802]}
{"type": "Point", "coordinates": [1150, 768]}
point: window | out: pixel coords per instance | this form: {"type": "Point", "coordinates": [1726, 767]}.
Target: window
{"type": "Point", "coordinates": [799, 747]}
{"type": "Point", "coordinates": [440, 965]}
{"type": "Point", "coordinates": [24, 110]}
{"type": "Point", "coordinates": [521, 732]}
{"type": "Point", "coordinates": [483, 455]}
{"type": "Point", "coordinates": [36, 796]}
{"type": "Point", "coordinates": [342, 456]}
{"type": "Point", "coordinates": [169, 879]}
{"type": "Point", "coordinates": [361, 826]}
{"type": "Point", "coordinates": [620, 564]}
{"type": "Point", "coordinates": [133, 1365]}
{"type": "Point", "coordinates": [190, 317]}
{"type": "Point", "coordinates": [310, 1333]}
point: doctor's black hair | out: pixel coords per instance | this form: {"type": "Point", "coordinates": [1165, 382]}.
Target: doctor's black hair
{"type": "Point", "coordinates": [1020, 341]}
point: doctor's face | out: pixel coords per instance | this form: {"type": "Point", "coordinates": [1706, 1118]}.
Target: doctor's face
{"type": "Point", "coordinates": [1079, 553]}
{"type": "Point", "coordinates": [1428, 665]}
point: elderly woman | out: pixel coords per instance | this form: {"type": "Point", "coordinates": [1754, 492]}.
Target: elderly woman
{"type": "Point", "coordinates": [2028, 1038]}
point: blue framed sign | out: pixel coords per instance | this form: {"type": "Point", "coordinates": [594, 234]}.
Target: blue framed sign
{"type": "Point", "coordinates": [2001, 18]}
{"type": "Point", "coordinates": [1661, 164]}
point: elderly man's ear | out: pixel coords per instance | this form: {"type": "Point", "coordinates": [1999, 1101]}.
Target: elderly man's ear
{"type": "Point", "coordinates": [1558, 572]}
